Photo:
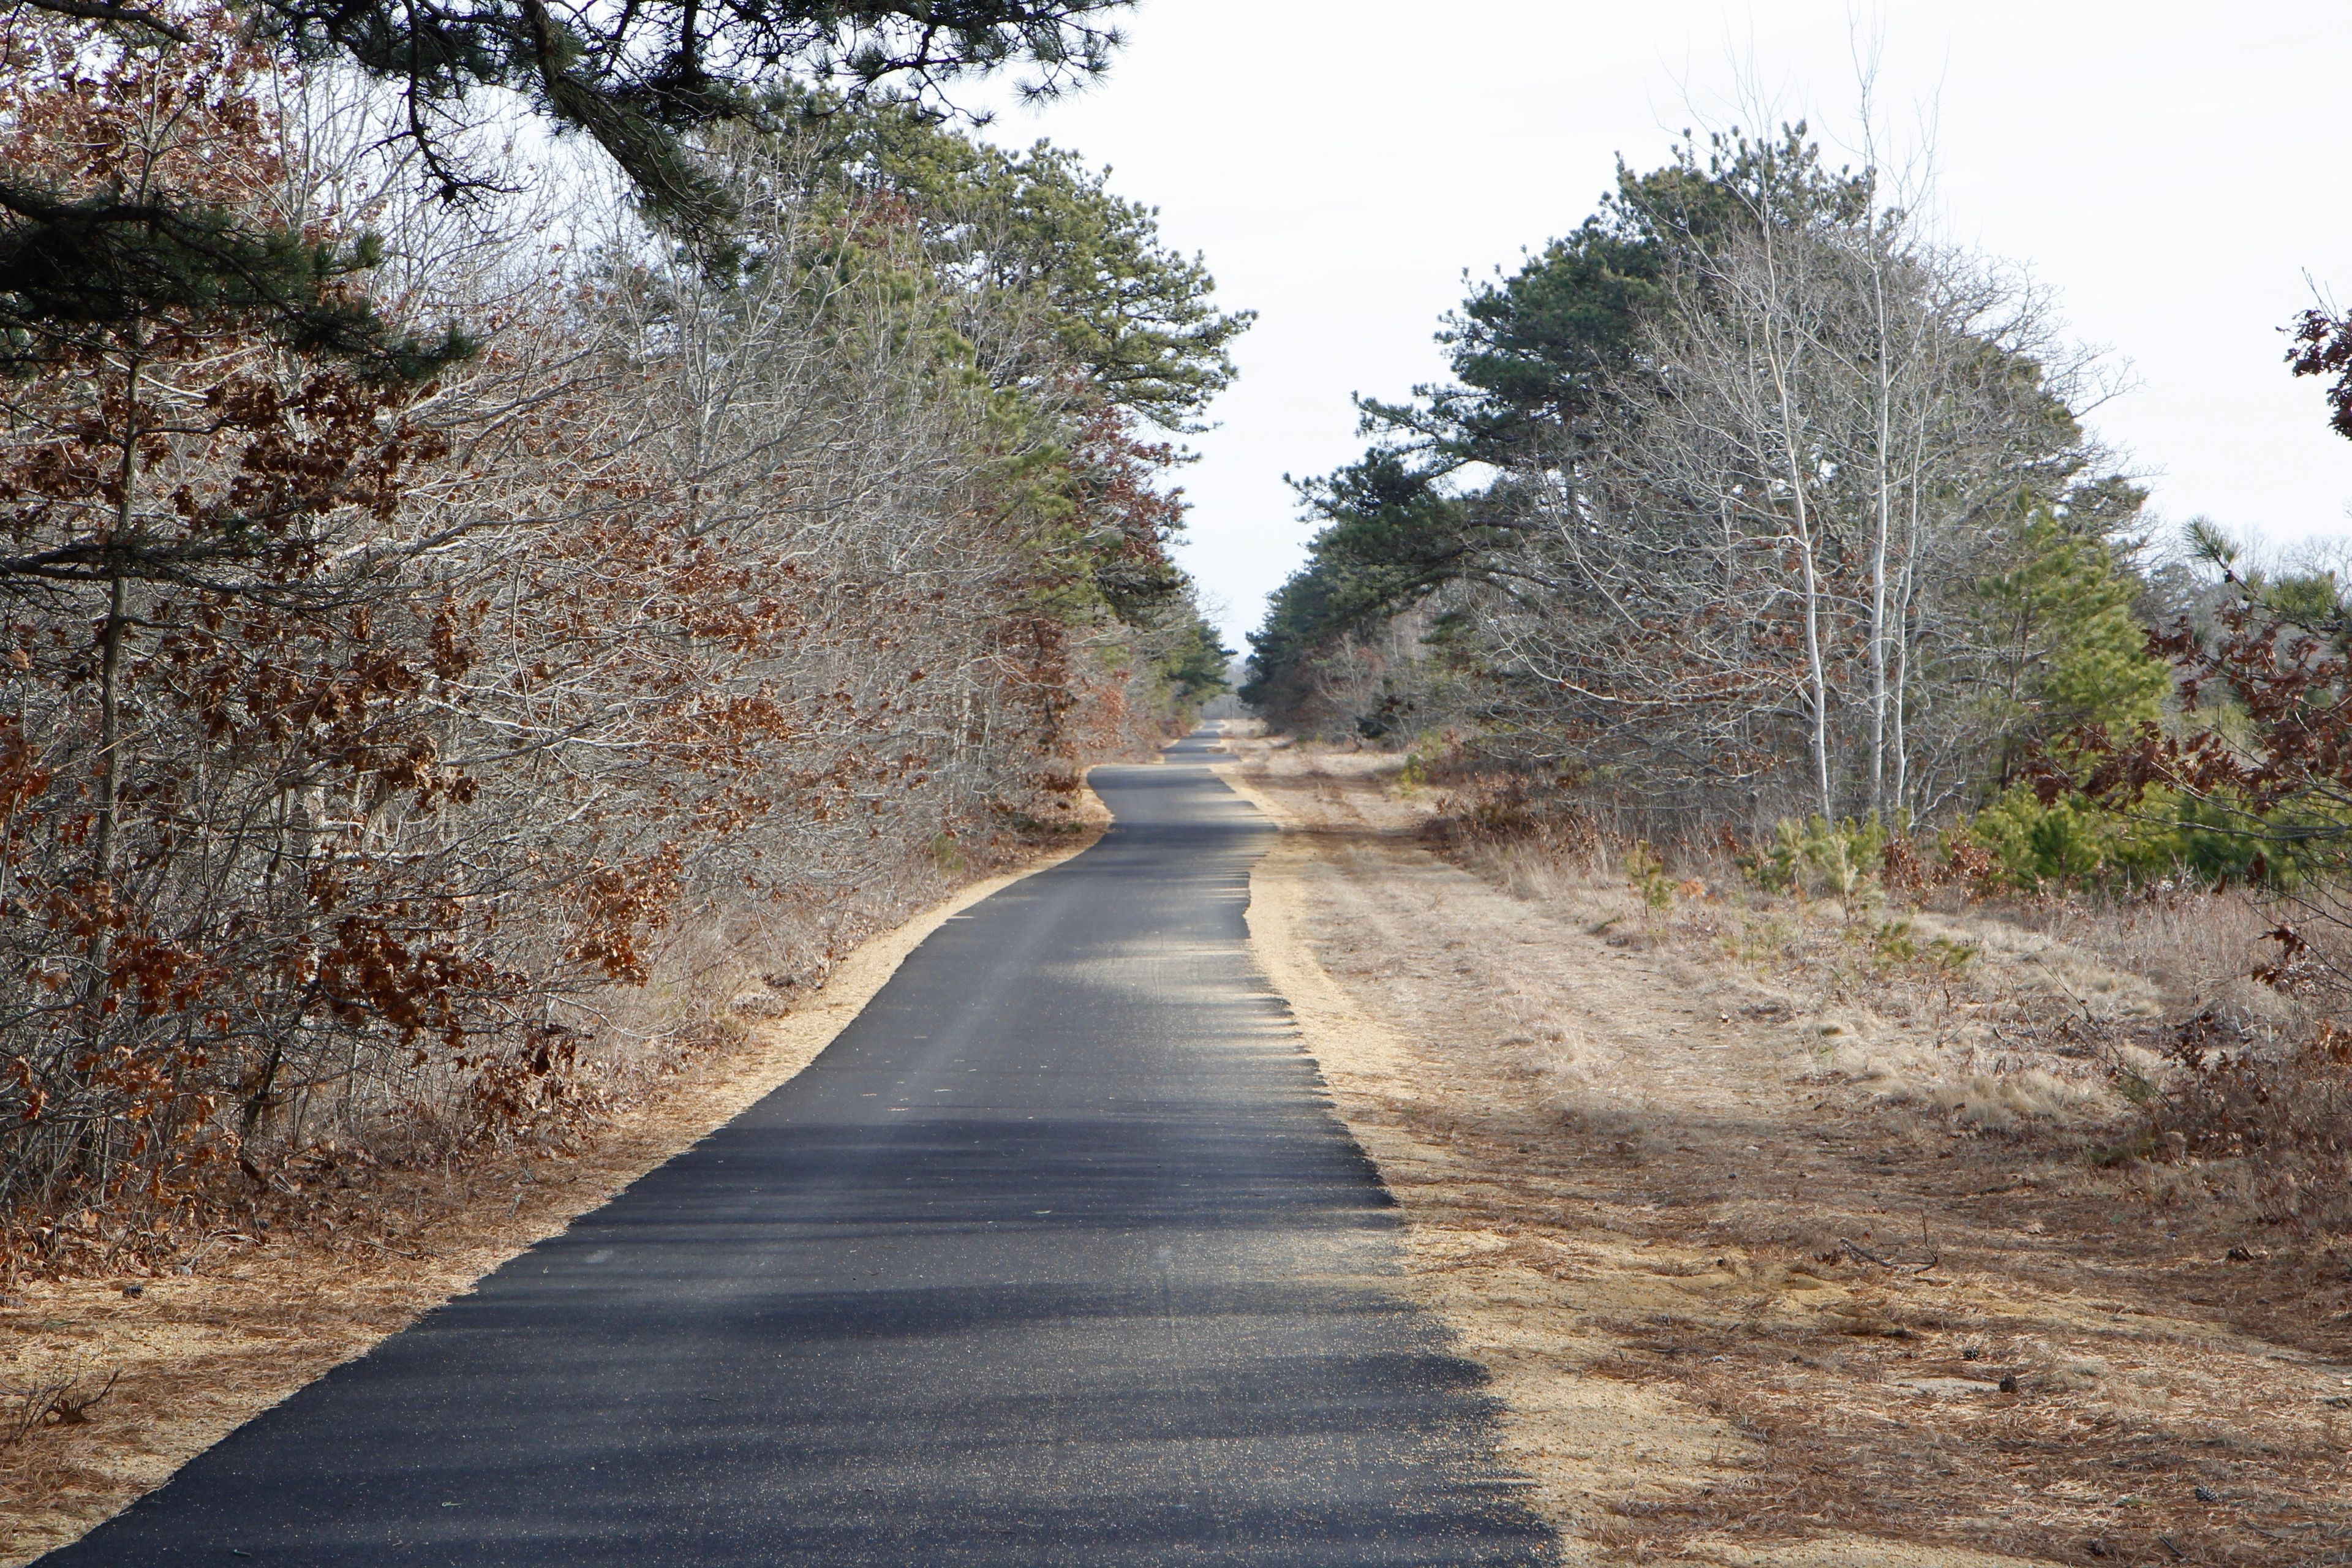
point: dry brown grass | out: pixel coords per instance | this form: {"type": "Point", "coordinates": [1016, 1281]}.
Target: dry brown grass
{"type": "Point", "coordinates": [1752, 1210]}
{"type": "Point", "coordinates": [342, 1252]}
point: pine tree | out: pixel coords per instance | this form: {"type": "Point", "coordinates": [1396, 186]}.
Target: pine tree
{"type": "Point", "coordinates": [2078, 654]}
{"type": "Point", "coordinates": [635, 80]}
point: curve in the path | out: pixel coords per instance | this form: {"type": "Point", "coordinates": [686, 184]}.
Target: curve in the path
{"type": "Point", "coordinates": [1057, 1256]}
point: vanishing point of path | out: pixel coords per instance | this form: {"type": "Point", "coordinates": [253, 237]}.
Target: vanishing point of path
{"type": "Point", "coordinates": [1055, 1257]}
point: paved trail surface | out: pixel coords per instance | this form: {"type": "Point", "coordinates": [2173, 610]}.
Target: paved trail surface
{"type": "Point", "coordinates": [1055, 1257]}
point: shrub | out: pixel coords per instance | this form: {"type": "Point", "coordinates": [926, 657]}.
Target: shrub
{"type": "Point", "coordinates": [2289, 1113]}
{"type": "Point", "coordinates": [1647, 873]}
{"type": "Point", "coordinates": [1820, 857]}
{"type": "Point", "coordinates": [2076, 840]}
{"type": "Point", "coordinates": [2034, 846]}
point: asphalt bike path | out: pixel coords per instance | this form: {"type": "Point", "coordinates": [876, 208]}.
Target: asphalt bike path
{"type": "Point", "coordinates": [1056, 1256]}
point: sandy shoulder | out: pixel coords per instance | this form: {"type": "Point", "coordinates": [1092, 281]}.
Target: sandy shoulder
{"type": "Point", "coordinates": [1580, 1441]}
{"type": "Point", "coordinates": [1641, 1197]}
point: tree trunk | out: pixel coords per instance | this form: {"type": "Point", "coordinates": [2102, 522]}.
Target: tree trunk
{"type": "Point", "coordinates": [1883, 525]}
{"type": "Point", "coordinates": [1792, 451]}
{"type": "Point", "coordinates": [106, 833]}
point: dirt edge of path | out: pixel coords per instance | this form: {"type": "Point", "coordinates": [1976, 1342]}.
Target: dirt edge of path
{"type": "Point", "coordinates": [1585, 1443]}
{"type": "Point", "coordinates": [195, 1357]}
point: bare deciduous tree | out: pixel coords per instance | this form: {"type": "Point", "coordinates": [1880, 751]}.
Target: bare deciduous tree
{"type": "Point", "coordinates": [1770, 544]}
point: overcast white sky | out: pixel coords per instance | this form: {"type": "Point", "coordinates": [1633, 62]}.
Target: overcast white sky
{"type": "Point", "coordinates": [2172, 171]}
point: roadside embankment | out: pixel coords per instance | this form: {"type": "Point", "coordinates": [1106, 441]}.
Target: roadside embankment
{"type": "Point", "coordinates": [1772, 1269]}
{"type": "Point", "coordinates": [172, 1363]}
